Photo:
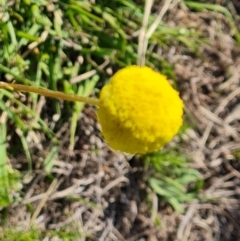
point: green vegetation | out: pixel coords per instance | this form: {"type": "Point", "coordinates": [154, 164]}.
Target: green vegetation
{"type": "Point", "coordinates": [34, 235]}
{"type": "Point", "coordinates": [172, 179]}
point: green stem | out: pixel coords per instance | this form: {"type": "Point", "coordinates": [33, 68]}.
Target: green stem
{"type": "Point", "coordinates": [49, 93]}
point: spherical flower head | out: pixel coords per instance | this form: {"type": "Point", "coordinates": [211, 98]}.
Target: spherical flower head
{"type": "Point", "coordinates": [139, 110]}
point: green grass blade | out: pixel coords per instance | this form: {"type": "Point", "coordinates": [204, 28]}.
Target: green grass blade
{"type": "Point", "coordinates": [4, 182]}
{"type": "Point", "coordinates": [50, 159]}
{"type": "Point", "coordinates": [83, 90]}
{"type": "Point", "coordinates": [25, 148]}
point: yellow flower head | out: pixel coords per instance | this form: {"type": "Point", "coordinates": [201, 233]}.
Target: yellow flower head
{"type": "Point", "coordinates": [139, 110]}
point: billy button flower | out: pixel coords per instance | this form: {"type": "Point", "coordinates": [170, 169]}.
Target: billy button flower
{"type": "Point", "coordinates": [138, 109]}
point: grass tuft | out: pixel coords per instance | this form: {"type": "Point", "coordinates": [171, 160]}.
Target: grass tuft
{"type": "Point", "coordinates": [171, 178]}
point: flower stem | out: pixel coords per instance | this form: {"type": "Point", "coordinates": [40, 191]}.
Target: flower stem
{"type": "Point", "coordinates": [49, 93]}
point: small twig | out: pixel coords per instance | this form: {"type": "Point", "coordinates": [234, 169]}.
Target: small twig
{"type": "Point", "coordinates": [220, 108]}
{"type": "Point", "coordinates": [88, 74]}
{"type": "Point", "coordinates": [142, 40]}
{"type": "Point", "coordinates": [145, 34]}
{"type": "Point", "coordinates": [34, 44]}
{"type": "Point", "coordinates": [186, 219]}
{"type": "Point", "coordinates": [154, 26]}
{"type": "Point", "coordinates": [43, 201]}
{"type": "Point", "coordinates": [114, 183]}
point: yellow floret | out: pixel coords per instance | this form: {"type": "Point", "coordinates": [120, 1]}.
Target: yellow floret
{"type": "Point", "coordinates": [139, 110]}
